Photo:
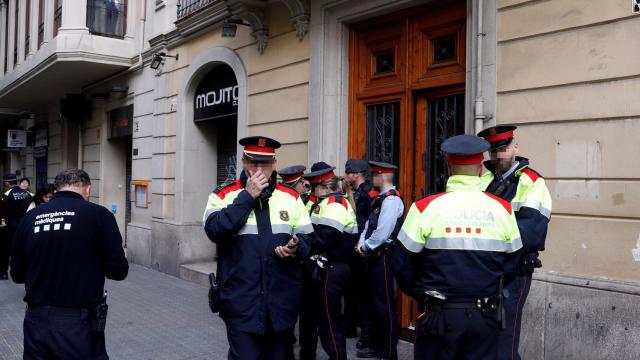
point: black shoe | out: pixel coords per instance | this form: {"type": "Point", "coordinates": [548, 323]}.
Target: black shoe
{"type": "Point", "coordinates": [366, 353]}
{"type": "Point", "coordinates": [4, 277]}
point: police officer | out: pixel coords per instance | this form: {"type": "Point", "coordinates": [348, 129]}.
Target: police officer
{"type": "Point", "coordinates": [260, 228]}
{"type": "Point", "coordinates": [456, 248]}
{"type": "Point", "coordinates": [308, 328]}
{"type": "Point", "coordinates": [334, 223]}
{"type": "Point", "coordinates": [62, 252]}
{"type": "Point", "coordinates": [511, 178]}
{"type": "Point", "coordinates": [357, 299]}
{"type": "Point", "coordinates": [17, 201]}
{"type": "Point", "coordinates": [375, 244]}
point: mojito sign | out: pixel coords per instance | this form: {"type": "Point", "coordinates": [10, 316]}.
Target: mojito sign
{"type": "Point", "coordinates": [216, 97]}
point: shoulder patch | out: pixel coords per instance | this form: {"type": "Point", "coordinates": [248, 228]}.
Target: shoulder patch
{"type": "Point", "coordinates": [226, 188]}
{"type": "Point", "coordinates": [503, 202]}
{"type": "Point", "coordinates": [532, 174]}
{"type": "Point", "coordinates": [338, 199]}
{"type": "Point", "coordinates": [287, 189]}
{"type": "Point", "coordinates": [423, 203]}
{"type": "Point", "coordinates": [393, 193]}
{"type": "Point", "coordinates": [373, 194]}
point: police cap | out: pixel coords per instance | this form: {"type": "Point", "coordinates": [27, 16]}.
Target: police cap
{"type": "Point", "coordinates": [320, 172]}
{"type": "Point", "coordinates": [465, 149]}
{"type": "Point", "coordinates": [259, 148]}
{"type": "Point", "coordinates": [356, 166]}
{"type": "Point", "coordinates": [291, 174]}
{"type": "Point", "coordinates": [382, 167]}
{"type": "Point", "coordinates": [498, 136]}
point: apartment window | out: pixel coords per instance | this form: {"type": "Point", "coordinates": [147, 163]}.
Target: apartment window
{"type": "Point", "coordinates": [57, 16]}
{"type": "Point", "coordinates": [40, 22]}
{"type": "Point", "coordinates": [107, 17]}
{"type": "Point", "coordinates": [27, 29]}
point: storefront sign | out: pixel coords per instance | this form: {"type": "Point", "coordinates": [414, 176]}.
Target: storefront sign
{"type": "Point", "coordinates": [216, 97]}
{"type": "Point", "coordinates": [121, 122]}
{"type": "Point", "coordinates": [16, 139]}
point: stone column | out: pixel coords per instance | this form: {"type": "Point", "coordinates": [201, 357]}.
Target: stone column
{"type": "Point", "coordinates": [11, 18]}
{"type": "Point", "coordinates": [74, 16]}
{"type": "Point", "coordinates": [49, 13]}
{"type": "Point", "coordinates": [33, 27]}
{"type": "Point", "coordinates": [22, 21]}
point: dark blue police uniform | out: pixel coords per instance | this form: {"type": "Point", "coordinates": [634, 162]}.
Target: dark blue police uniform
{"type": "Point", "coordinates": [16, 203]}
{"type": "Point", "coordinates": [62, 252]}
{"type": "Point", "coordinates": [357, 299]}
{"type": "Point", "coordinates": [260, 292]}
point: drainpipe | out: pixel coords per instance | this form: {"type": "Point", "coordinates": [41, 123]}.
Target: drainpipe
{"type": "Point", "coordinates": [479, 115]}
{"type": "Point", "coordinates": [143, 19]}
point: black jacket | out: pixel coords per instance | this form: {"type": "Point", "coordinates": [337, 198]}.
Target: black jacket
{"type": "Point", "coordinates": [63, 250]}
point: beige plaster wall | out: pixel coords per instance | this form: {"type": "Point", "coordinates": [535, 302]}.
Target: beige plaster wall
{"type": "Point", "coordinates": [568, 75]}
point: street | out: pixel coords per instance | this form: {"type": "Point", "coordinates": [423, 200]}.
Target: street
{"type": "Point", "coordinates": [151, 316]}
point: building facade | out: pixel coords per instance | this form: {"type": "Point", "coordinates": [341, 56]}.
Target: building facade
{"type": "Point", "coordinates": [333, 79]}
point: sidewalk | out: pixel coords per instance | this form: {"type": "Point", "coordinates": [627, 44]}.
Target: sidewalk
{"type": "Point", "coordinates": [151, 316]}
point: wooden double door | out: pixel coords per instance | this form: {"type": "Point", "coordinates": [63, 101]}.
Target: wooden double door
{"type": "Point", "coordinates": [407, 81]}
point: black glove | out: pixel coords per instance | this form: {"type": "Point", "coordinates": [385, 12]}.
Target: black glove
{"type": "Point", "coordinates": [529, 262]}
{"type": "Point", "coordinates": [214, 294]}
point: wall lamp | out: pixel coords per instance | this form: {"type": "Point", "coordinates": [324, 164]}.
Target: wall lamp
{"type": "Point", "coordinates": [158, 59]}
{"type": "Point", "coordinates": [230, 26]}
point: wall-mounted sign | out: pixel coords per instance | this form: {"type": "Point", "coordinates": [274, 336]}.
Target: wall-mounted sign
{"type": "Point", "coordinates": [16, 139]}
{"type": "Point", "coordinates": [121, 122]}
{"type": "Point", "coordinates": [216, 97]}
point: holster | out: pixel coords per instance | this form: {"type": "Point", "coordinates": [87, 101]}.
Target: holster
{"type": "Point", "coordinates": [98, 317]}
{"type": "Point", "coordinates": [528, 263]}
{"type": "Point", "coordinates": [315, 265]}
{"type": "Point", "coordinates": [431, 321]}
{"type": "Point", "coordinates": [214, 293]}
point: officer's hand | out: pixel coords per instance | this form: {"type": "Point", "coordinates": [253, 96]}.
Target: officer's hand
{"type": "Point", "coordinates": [256, 183]}
{"type": "Point", "coordinates": [289, 249]}
{"type": "Point", "coordinates": [360, 250]}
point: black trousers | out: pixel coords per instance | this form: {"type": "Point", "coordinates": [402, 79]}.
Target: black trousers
{"type": "Point", "coordinates": [308, 324]}
{"type": "Point", "coordinates": [329, 310]}
{"type": "Point", "coordinates": [6, 236]}
{"type": "Point", "coordinates": [468, 336]}
{"type": "Point", "coordinates": [54, 333]}
{"type": "Point", "coordinates": [357, 300]}
{"type": "Point", "coordinates": [384, 306]}
{"type": "Point", "coordinates": [509, 338]}
{"type": "Point", "coordinates": [251, 346]}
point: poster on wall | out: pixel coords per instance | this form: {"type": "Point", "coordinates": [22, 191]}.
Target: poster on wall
{"type": "Point", "coordinates": [216, 97]}
{"type": "Point", "coordinates": [16, 139]}
{"type": "Point", "coordinates": [121, 122]}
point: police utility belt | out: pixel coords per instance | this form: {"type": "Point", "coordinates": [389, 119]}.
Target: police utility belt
{"type": "Point", "coordinates": [431, 321]}
{"type": "Point", "coordinates": [96, 315]}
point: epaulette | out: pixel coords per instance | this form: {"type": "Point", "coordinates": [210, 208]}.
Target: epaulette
{"type": "Point", "coordinates": [224, 189]}
{"type": "Point", "coordinates": [373, 194]}
{"type": "Point", "coordinates": [287, 189]}
{"type": "Point", "coordinates": [532, 174]}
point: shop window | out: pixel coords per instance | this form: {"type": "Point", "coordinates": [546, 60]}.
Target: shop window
{"type": "Point", "coordinates": [107, 17]}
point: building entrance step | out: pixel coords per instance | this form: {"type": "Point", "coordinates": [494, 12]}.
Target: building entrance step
{"type": "Point", "coordinates": [198, 272]}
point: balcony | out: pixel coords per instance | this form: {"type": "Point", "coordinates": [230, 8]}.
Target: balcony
{"type": "Point", "coordinates": [188, 7]}
{"type": "Point", "coordinates": [107, 17]}
{"type": "Point", "coordinates": [76, 46]}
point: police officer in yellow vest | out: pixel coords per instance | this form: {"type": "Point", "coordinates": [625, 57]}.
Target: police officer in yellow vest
{"type": "Point", "coordinates": [261, 229]}
{"type": "Point", "coordinates": [511, 178]}
{"type": "Point", "coordinates": [335, 226]}
{"type": "Point", "coordinates": [457, 249]}
{"type": "Point", "coordinates": [292, 176]}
